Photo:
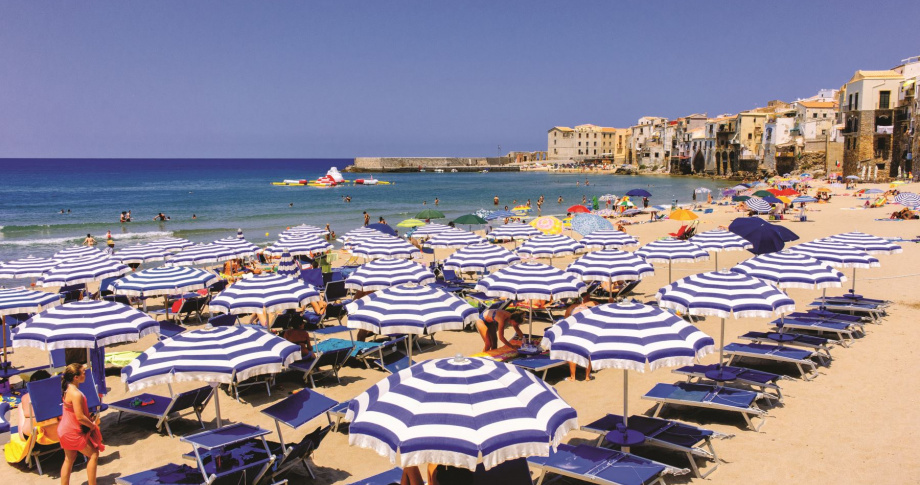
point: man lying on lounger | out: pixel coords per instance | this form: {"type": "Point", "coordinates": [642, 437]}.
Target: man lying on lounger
{"type": "Point", "coordinates": [491, 326]}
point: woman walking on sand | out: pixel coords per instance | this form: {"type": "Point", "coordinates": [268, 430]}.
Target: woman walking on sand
{"type": "Point", "coordinates": [78, 430]}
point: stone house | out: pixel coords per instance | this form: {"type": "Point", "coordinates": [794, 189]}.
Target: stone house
{"type": "Point", "coordinates": [867, 108]}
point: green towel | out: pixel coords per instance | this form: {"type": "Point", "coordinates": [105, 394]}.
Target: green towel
{"type": "Point", "coordinates": [120, 359]}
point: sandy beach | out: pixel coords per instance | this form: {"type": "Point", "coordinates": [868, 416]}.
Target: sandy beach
{"type": "Point", "coordinates": [854, 423]}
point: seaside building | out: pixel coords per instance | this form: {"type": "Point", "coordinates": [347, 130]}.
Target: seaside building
{"type": "Point", "coordinates": [748, 139]}
{"type": "Point", "coordinates": [867, 108]}
{"type": "Point", "coordinates": [905, 142]}
{"type": "Point", "coordinates": [649, 145]}
{"type": "Point", "coordinates": [584, 142]}
{"type": "Point", "coordinates": [778, 143]}
{"type": "Point", "coordinates": [688, 133]}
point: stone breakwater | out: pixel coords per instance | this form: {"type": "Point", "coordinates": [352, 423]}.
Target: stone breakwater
{"type": "Point", "coordinates": [414, 164]}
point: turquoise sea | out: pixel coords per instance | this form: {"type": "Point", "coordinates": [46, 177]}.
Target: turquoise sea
{"type": "Point", "coordinates": [227, 195]}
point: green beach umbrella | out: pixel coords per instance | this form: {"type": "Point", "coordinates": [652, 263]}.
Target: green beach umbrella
{"type": "Point", "coordinates": [470, 219]}
{"type": "Point", "coordinates": [430, 214]}
{"type": "Point", "coordinates": [411, 223]}
{"type": "Point", "coordinates": [762, 193]}
{"type": "Point", "coordinates": [594, 204]}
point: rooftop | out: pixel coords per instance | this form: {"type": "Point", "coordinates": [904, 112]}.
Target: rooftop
{"type": "Point", "coordinates": [888, 74]}
{"type": "Point", "coordinates": [818, 104]}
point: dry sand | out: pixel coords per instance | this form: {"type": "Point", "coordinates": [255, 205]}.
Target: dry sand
{"type": "Point", "coordinates": [854, 423]}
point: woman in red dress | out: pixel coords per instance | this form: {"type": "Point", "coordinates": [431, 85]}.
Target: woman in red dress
{"type": "Point", "coordinates": [78, 429]}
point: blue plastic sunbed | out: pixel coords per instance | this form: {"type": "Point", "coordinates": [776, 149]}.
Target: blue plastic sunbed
{"type": "Point", "coordinates": [598, 465]}
{"type": "Point", "coordinates": [708, 397]}
{"type": "Point", "coordinates": [846, 332]}
{"type": "Point", "coordinates": [813, 342]}
{"type": "Point", "coordinates": [776, 353]}
{"type": "Point", "coordinates": [873, 311]}
{"type": "Point", "coordinates": [749, 377]}
{"type": "Point", "coordinates": [165, 409]}
{"type": "Point", "coordinates": [389, 477]}
{"type": "Point", "coordinates": [537, 363]}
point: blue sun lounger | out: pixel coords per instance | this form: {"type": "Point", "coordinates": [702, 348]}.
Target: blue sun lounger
{"type": "Point", "coordinates": [666, 434]}
{"type": "Point", "coordinates": [872, 311]}
{"type": "Point", "coordinates": [761, 381]}
{"type": "Point", "coordinates": [709, 397]}
{"type": "Point", "coordinates": [846, 332]}
{"type": "Point", "coordinates": [334, 356]}
{"type": "Point", "coordinates": [537, 363]}
{"type": "Point", "coordinates": [295, 411]}
{"type": "Point", "coordinates": [165, 409]}
{"type": "Point", "coordinates": [851, 297]}
{"type": "Point", "coordinates": [4, 423]}
{"type": "Point", "coordinates": [598, 465]}
{"type": "Point", "coordinates": [389, 477]}
{"type": "Point", "coordinates": [813, 342]}
{"type": "Point", "coordinates": [777, 353]}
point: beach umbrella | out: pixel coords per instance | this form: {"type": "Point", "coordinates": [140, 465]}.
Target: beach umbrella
{"type": "Point", "coordinates": [838, 255]}
{"type": "Point", "coordinates": [139, 254]}
{"type": "Point", "coordinates": [578, 208]}
{"type": "Point", "coordinates": [499, 214]}
{"type": "Point", "coordinates": [266, 293]}
{"type": "Point", "coordinates": [216, 355]}
{"type": "Point", "coordinates": [741, 187]}
{"type": "Point", "coordinates": [17, 300]}
{"type": "Point", "coordinates": [460, 411]}
{"type": "Point", "coordinates": [873, 191]}
{"type": "Point", "coordinates": [757, 205]}
{"type": "Point", "coordinates": [513, 231]}
{"type": "Point", "coordinates": [724, 294]}
{"type": "Point", "coordinates": [866, 242]}
{"type": "Point", "coordinates": [480, 258]}
{"type": "Point", "coordinates": [786, 269]}
{"type": "Point", "coordinates": [410, 309]}
{"type": "Point", "coordinates": [240, 247]}
{"type": "Point", "coordinates": [82, 270]}
{"type": "Point", "coordinates": [772, 200]}
{"type": "Point", "coordinates": [384, 273]}
{"type": "Point", "coordinates": [605, 212]}
{"type": "Point", "coordinates": [522, 209]}
{"type": "Point", "coordinates": [430, 214]}
{"type": "Point", "coordinates": [608, 239]}
{"type": "Point", "coordinates": [164, 280]}
{"type": "Point", "coordinates": [631, 212]}
{"type": "Point", "coordinates": [638, 193]}
{"type": "Point", "coordinates": [78, 252]}
{"type": "Point", "coordinates": [28, 267]}
{"type": "Point", "coordinates": [429, 230]}
{"type": "Point", "coordinates": [288, 267]}
{"type": "Point", "coordinates": [547, 225]}
{"type": "Point", "coordinates": [550, 246]}
{"type": "Point", "coordinates": [84, 324]}
{"type": "Point", "coordinates": [482, 213]}
{"type": "Point", "coordinates": [385, 247]}
{"type": "Point", "coordinates": [607, 197]}
{"type": "Point", "coordinates": [361, 233]}
{"type": "Point", "coordinates": [727, 192]}
{"type": "Point", "coordinates": [628, 336]}
{"type": "Point", "coordinates": [305, 230]}
{"type": "Point", "coordinates": [470, 220]}
{"type": "Point", "coordinates": [670, 250]}
{"type": "Point", "coordinates": [626, 203]}
{"type": "Point", "coordinates": [201, 254]}
{"type": "Point", "coordinates": [682, 215]}
{"type": "Point", "coordinates": [454, 238]}
{"type": "Point", "coordinates": [411, 223]}
{"type": "Point", "coordinates": [610, 265]}
{"type": "Point", "coordinates": [908, 199]}
{"type": "Point", "coordinates": [299, 245]}
{"type": "Point", "coordinates": [740, 198]}
{"type": "Point", "coordinates": [763, 236]}
{"type": "Point", "coordinates": [852, 177]}
{"type": "Point", "coordinates": [718, 240]}
{"type": "Point", "coordinates": [762, 193]}
{"type": "Point", "coordinates": [171, 243]}
{"type": "Point", "coordinates": [384, 228]}
{"type": "Point", "coordinates": [585, 224]}
{"type": "Point", "coordinates": [786, 192]}
{"type": "Point", "coordinates": [702, 190]}
{"type": "Point", "coordinates": [803, 199]}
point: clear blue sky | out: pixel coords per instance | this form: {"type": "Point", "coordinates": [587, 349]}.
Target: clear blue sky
{"type": "Point", "coordinates": [345, 78]}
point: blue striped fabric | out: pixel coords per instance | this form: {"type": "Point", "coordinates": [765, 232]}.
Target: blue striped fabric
{"type": "Point", "coordinates": [269, 292]}
{"type": "Point", "coordinates": [836, 254]}
{"type": "Point", "coordinates": [385, 247]}
{"type": "Point", "coordinates": [550, 246]}
{"type": "Point", "coordinates": [164, 280]}
{"type": "Point", "coordinates": [240, 247]}
{"type": "Point", "coordinates": [172, 243]}
{"type": "Point", "coordinates": [586, 224]}
{"type": "Point", "coordinates": [610, 265]}
{"type": "Point", "coordinates": [288, 267]}
{"type": "Point", "coordinates": [866, 242]}
{"type": "Point", "coordinates": [140, 253]}
{"type": "Point", "coordinates": [908, 199]}
{"type": "Point", "coordinates": [454, 238]}
{"type": "Point", "coordinates": [531, 281]}
{"type": "Point", "coordinates": [724, 294]}
{"type": "Point", "coordinates": [210, 355]}
{"type": "Point", "coordinates": [672, 250]}
{"type": "Point", "coordinates": [305, 230]}
{"type": "Point", "coordinates": [299, 245]}
{"type": "Point", "coordinates": [82, 270]}
{"type": "Point", "coordinates": [720, 240]}
{"type": "Point", "coordinates": [201, 254]}
{"type": "Point", "coordinates": [480, 258]}
{"type": "Point", "coordinates": [84, 324]}
{"type": "Point", "coordinates": [430, 229]}
{"type": "Point", "coordinates": [361, 233]}
{"type": "Point", "coordinates": [787, 269]}
{"type": "Point", "coordinates": [608, 240]}
{"type": "Point", "coordinates": [384, 273]}
{"type": "Point", "coordinates": [453, 411]}
{"type": "Point", "coordinates": [26, 301]}
{"type": "Point", "coordinates": [626, 335]}
{"type": "Point", "coordinates": [77, 252]}
{"type": "Point", "coordinates": [513, 231]}
{"type": "Point", "coordinates": [29, 267]}
{"type": "Point", "coordinates": [410, 309]}
{"type": "Point", "coordinates": [757, 204]}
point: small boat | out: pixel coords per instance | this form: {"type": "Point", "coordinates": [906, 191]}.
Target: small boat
{"type": "Point", "coordinates": [439, 170]}
{"type": "Point", "coordinates": [453, 170]}
{"type": "Point", "coordinates": [484, 171]}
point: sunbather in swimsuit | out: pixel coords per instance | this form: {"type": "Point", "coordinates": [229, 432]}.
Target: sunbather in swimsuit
{"type": "Point", "coordinates": [491, 326]}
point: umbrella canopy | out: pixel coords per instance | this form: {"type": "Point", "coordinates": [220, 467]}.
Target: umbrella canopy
{"type": "Point", "coordinates": [757, 204]}
{"type": "Point", "coordinates": [385, 247]}
{"type": "Point", "coordinates": [772, 200]}
{"type": "Point", "coordinates": [762, 193]}
{"type": "Point", "coordinates": [265, 292]}
{"type": "Point", "coordinates": [608, 239]}
{"type": "Point", "coordinates": [545, 246]}
{"type": "Point", "coordinates": [306, 230]}
{"type": "Point", "coordinates": [361, 233]}
{"type": "Point", "coordinates": [513, 231]}
{"type": "Point", "coordinates": [140, 253]}
{"type": "Point", "coordinates": [803, 199]}
{"type": "Point", "coordinates": [638, 193]}
{"type": "Point", "coordinates": [29, 267]}
{"type": "Point", "coordinates": [84, 324]}
{"type": "Point", "coordinates": [480, 258]}
{"type": "Point", "coordinates": [299, 245]}
{"type": "Point", "coordinates": [164, 280]}
{"type": "Point", "coordinates": [718, 240]}
{"type": "Point", "coordinates": [77, 252]}
{"type": "Point", "coordinates": [201, 254]}
{"type": "Point", "coordinates": [429, 230]}
{"type": "Point", "coordinates": [740, 198]}
{"type": "Point", "coordinates": [836, 254]}
{"type": "Point", "coordinates": [500, 214]}
{"type": "Point", "coordinates": [454, 238]}
{"type": "Point", "coordinates": [786, 192]}
{"type": "Point", "coordinates": [702, 190]}
{"type": "Point", "coordinates": [786, 269]}
{"type": "Point", "coordinates": [411, 223]}
{"type": "Point", "coordinates": [683, 215]}
{"type": "Point", "coordinates": [585, 224]}
{"type": "Point", "coordinates": [547, 225]}
{"type": "Point", "coordinates": [219, 354]}
{"type": "Point", "coordinates": [82, 270]}
{"type": "Point", "coordinates": [521, 209]}
{"type": "Point", "coordinates": [670, 250]}
{"type": "Point", "coordinates": [171, 243]}
{"type": "Point", "coordinates": [458, 411]}
{"type": "Point", "coordinates": [866, 242]}
{"type": "Point", "coordinates": [610, 265]}
{"type": "Point", "coordinates": [607, 197]}
{"type": "Point", "coordinates": [578, 208]}
{"type": "Point", "coordinates": [763, 236]}
{"type": "Point", "coordinates": [852, 177]}
{"type": "Point", "coordinates": [410, 309]}
{"type": "Point", "coordinates": [470, 220]}
{"type": "Point", "coordinates": [240, 247]}
{"type": "Point", "coordinates": [384, 273]}
{"type": "Point", "coordinates": [18, 300]}
{"type": "Point", "coordinates": [288, 267]}
{"type": "Point", "coordinates": [908, 199]}
{"type": "Point", "coordinates": [531, 281]}
{"type": "Point", "coordinates": [430, 214]}
{"type": "Point", "coordinates": [873, 191]}
{"type": "Point", "coordinates": [384, 228]}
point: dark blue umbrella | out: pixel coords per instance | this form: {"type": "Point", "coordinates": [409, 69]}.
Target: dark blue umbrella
{"type": "Point", "coordinates": [764, 237]}
{"type": "Point", "coordinates": [772, 200]}
{"type": "Point", "coordinates": [384, 228]}
{"type": "Point", "coordinates": [638, 193]}
{"type": "Point", "coordinates": [500, 214]}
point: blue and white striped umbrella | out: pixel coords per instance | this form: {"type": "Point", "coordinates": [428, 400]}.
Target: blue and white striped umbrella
{"type": "Point", "coordinates": [585, 224]}
{"type": "Point", "coordinates": [531, 281]}
{"type": "Point", "coordinates": [499, 214]}
{"type": "Point", "coordinates": [84, 324]}
{"type": "Point", "coordinates": [361, 233]}
{"type": "Point", "coordinates": [202, 254]}
{"type": "Point", "coordinates": [264, 293]}
{"type": "Point", "coordinates": [29, 267]}
{"type": "Point", "coordinates": [803, 199]}
{"type": "Point", "coordinates": [612, 239]}
{"type": "Point", "coordinates": [385, 247]}
{"type": "Point", "coordinates": [430, 229]}
{"type": "Point", "coordinates": [786, 269]}
{"type": "Point", "coordinates": [384, 273]}
{"type": "Point", "coordinates": [838, 255]}
{"type": "Point", "coordinates": [240, 247]}
{"type": "Point", "coordinates": [513, 231]}
{"type": "Point", "coordinates": [82, 270]}
{"type": "Point", "coordinates": [453, 239]}
{"type": "Point", "coordinates": [17, 300]}
{"type": "Point", "coordinates": [480, 258]}
{"type": "Point", "coordinates": [77, 252]}
{"type": "Point", "coordinates": [288, 267]}
{"type": "Point", "coordinates": [172, 243]}
{"type": "Point", "coordinates": [221, 354]}
{"type": "Point", "coordinates": [459, 411]}
{"type": "Point", "coordinates": [908, 199]}
{"type": "Point", "coordinates": [610, 265]}
{"type": "Point", "coordinates": [550, 246]}
{"type": "Point", "coordinates": [139, 254]}
{"type": "Point", "coordinates": [718, 240]}
{"type": "Point", "coordinates": [164, 280]}
{"type": "Point", "coordinates": [866, 242]}
{"type": "Point", "coordinates": [671, 251]}
{"type": "Point", "coordinates": [305, 230]}
{"type": "Point", "coordinates": [757, 204]}
{"type": "Point", "coordinates": [299, 245]}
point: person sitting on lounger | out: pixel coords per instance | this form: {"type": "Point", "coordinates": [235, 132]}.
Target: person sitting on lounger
{"type": "Point", "coordinates": [297, 335]}
{"type": "Point", "coordinates": [15, 451]}
{"type": "Point", "coordinates": [579, 306]}
{"type": "Point", "coordinates": [491, 326]}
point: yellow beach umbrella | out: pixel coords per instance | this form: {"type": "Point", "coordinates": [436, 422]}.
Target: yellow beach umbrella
{"type": "Point", "coordinates": [547, 225]}
{"type": "Point", "coordinates": [411, 223]}
{"type": "Point", "coordinates": [682, 215]}
{"type": "Point", "coordinates": [786, 200]}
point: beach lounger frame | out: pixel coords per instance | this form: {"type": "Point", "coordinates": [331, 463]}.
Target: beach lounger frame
{"type": "Point", "coordinates": [194, 400]}
{"type": "Point", "coordinates": [393, 475]}
{"type": "Point", "coordinates": [235, 433]}
{"type": "Point", "coordinates": [295, 411]}
{"type": "Point", "coordinates": [537, 364]}
{"type": "Point", "coordinates": [844, 331]}
{"type": "Point", "coordinates": [559, 463]}
{"type": "Point", "coordinates": [816, 343]}
{"type": "Point", "coordinates": [767, 381]}
{"type": "Point", "coordinates": [749, 411]}
{"type": "Point", "coordinates": [873, 312]}
{"type": "Point", "coordinates": [807, 367]}
{"type": "Point", "coordinates": [333, 358]}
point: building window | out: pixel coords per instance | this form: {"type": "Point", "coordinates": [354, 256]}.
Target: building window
{"type": "Point", "coordinates": [814, 115]}
{"type": "Point", "coordinates": [823, 132]}
{"type": "Point", "coordinates": [750, 136]}
{"type": "Point", "coordinates": [824, 116]}
{"type": "Point", "coordinates": [856, 101]}
{"type": "Point", "coordinates": [884, 98]}
{"type": "Point", "coordinates": [579, 143]}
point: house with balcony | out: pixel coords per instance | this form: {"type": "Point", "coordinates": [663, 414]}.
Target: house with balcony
{"type": "Point", "coordinates": [867, 108]}
{"type": "Point", "coordinates": [905, 141]}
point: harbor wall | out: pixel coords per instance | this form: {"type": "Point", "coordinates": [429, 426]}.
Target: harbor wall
{"type": "Point", "coordinates": [413, 164]}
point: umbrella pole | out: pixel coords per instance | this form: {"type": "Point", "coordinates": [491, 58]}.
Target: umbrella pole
{"type": "Point", "coordinates": [717, 260]}
{"type": "Point", "coordinates": [217, 403]}
{"type": "Point", "coordinates": [853, 288]}
{"type": "Point", "coordinates": [3, 328]}
{"type": "Point", "coordinates": [670, 280]}
{"type": "Point", "coordinates": [721, 342]}
{"type": "Point", "coordinates": [625, 402]}
{"type": "Point", "coordinates": [530, 321]}
{"type": "Point", "coordinates": [409, 339]}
